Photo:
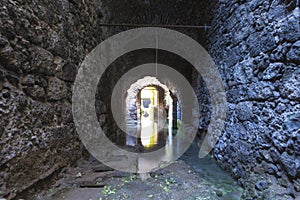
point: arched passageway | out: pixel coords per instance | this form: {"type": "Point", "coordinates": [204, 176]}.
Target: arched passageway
{"type": "Point", "coordinates": [255, 45]}
{"type": "Point", "coordinates": [151, 108]}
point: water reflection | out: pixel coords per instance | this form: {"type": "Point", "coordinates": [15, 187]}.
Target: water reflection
{"type": "Point", "coordinates": [154, 127]}
{"type": "Point", "coordinates": [155, 118]}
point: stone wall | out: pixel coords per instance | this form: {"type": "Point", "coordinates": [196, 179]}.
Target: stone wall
{"type": "Point", "coordinates": [256, 45]}
{"type": "Point", "coordinates": [42, 43]}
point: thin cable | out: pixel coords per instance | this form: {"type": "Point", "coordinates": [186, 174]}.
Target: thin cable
{"type": "Point", "coordinates": [156, 25]}
{"type": "Point", "coordinates": [156, 54]}
{"type": "Point", "coordinates": [156, 63]}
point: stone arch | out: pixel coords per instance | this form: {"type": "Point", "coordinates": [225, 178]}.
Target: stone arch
{"type": "Point", "coordinates": [135, 88]}
{"type": "Point", "coordinates": [175, 86]}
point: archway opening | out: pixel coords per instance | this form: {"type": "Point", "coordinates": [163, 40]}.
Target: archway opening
{"type": "Point", "coordinates": [153, 114]}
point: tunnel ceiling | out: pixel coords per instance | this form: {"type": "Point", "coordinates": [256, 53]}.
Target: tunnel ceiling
{"type": "Point", "coordinates": [158, 12]}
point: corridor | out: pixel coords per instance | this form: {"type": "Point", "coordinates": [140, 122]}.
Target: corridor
{"type": "Point", "coordinates": [168, 99]}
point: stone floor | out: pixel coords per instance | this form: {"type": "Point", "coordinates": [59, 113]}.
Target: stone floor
{"type": "Point", "coordinates": [187, 178]}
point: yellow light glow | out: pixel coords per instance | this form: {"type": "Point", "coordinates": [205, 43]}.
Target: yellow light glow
{"type": "Point", "coordinates": [148, 126]}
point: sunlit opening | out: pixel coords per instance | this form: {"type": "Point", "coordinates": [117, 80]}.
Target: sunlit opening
{"type": "Point", "coordinates": [152, 114]}
{"type": "Point", "coordinates": [149, 116]}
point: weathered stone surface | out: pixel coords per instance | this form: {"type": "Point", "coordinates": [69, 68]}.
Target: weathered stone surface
{"type": "Point", "coordinates": [36, 127]}
{"type": "Point", "coordinates": [57, 89]}
{"type": "Point", "coordinates": [292, 122]}
{"type": "Point", "coordinates": [41, 61]}
{"type": "Point", "coordinates": [244, 111]}
{"type": "Point", "coordinates": [69, 72]}
{"type": "Point", "coordinates": [262, 83]}
{"type": "Point", "coordinates": [261, 185]}
{"type": "Point", "coordinates": [294, 53]}
{"type": "Point", "coordinates": [291, 164]}
{"type": "Point", "coordinates": [273, 71]}
{"type": "Point", "coordinates": [36, 92]}
{"type": "Point", "coordinates": [290, 87]}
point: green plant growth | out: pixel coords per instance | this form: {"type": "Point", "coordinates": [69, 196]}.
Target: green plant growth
{"type": "Point", "coordinates": [178, 123]}
{"type": "Point", "coordinates": [166, 189]}
{"type": "Point", "coordinates": [108, 190]}
{"type": "Point", "coordinates": [132, 177]}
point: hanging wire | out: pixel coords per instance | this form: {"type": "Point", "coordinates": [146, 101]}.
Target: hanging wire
{"type": "Point", "coordinates": [156, 65]}
{"type": "Point", "coordinates": [156, 53]}
{"type": "Point", "coordinates": [157, 25]}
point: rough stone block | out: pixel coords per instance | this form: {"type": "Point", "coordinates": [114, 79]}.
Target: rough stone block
{"type": "Point", "coordinates": [57, 89]}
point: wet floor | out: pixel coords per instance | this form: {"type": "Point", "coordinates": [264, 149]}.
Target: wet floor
{"type": "Point", "coordinates": [187, 178]}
